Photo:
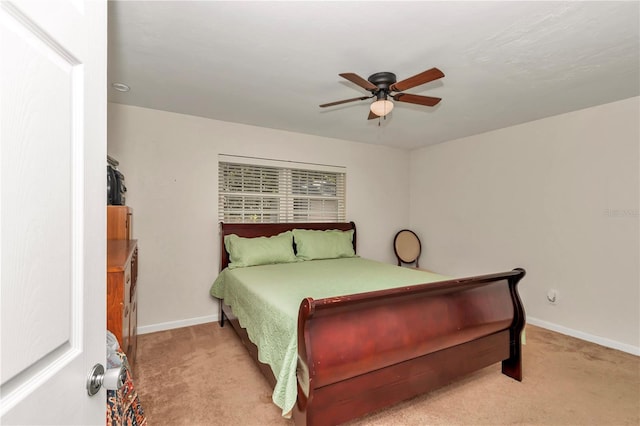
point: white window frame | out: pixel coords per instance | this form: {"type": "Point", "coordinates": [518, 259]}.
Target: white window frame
{"type": "Point", "coordinates": [253, 197]}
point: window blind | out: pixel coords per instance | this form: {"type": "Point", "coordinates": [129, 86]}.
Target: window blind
{"type": "Point", "coordinates": [252, 193]}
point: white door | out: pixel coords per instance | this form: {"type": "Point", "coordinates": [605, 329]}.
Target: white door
{"type": "Point", "coordinates": [52, 210]}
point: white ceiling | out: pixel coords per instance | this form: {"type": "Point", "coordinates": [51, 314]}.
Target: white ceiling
{"type": "Point", "coordinates": [271, 64]}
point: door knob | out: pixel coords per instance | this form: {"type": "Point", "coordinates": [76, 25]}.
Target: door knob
{"type": "Point", "coordinates": [113, 379]}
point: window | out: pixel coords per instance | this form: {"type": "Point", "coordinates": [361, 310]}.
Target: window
{"type": "Point", "coordinates": [258, 190]}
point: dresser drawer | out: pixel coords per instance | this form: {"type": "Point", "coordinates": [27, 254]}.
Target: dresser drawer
{"type": "Point", "coordinates": [121, 294]}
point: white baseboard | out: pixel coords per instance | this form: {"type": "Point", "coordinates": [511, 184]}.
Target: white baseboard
{"type": "Point", "coordinates": [176, 324]}
{"type": "Point", "coordinates": [624, 347]}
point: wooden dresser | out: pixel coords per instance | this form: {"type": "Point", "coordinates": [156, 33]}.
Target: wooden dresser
{"type": "Point", "coordinates": [122, 279]}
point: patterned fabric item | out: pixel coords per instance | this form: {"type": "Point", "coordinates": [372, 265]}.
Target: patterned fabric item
{"type": "Point", "coordinates": [123, 405]}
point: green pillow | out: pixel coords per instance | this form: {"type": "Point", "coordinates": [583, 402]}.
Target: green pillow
{"type": "Point", "coordinates": [331, 244]}
{"type": "Point", "coordinates": [260, 250]}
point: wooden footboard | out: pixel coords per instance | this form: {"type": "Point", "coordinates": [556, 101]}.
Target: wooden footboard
{"type": "Point", "coordinates": [362, 352]}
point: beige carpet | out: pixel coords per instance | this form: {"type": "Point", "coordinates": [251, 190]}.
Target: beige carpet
{"type": "Point", "coordinates": [202, 375]}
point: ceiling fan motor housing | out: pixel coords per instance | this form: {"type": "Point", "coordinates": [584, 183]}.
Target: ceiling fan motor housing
{"type": "Point", "coordinates": [383, 80]}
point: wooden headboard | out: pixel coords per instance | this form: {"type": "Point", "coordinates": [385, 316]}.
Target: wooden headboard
{"type": "Point", "coordinates": [251, 230]}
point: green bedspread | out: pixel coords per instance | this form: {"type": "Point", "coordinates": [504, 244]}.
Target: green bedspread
{"type": "Point", "coordinates": [266, 300]}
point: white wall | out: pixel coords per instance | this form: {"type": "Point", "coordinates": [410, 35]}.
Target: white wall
{"type": "Point", "coordinates": [559, 197]}
{"type": "Point", "coordinates": [170, 164]}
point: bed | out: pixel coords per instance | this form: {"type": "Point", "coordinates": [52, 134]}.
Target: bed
{"type": "Point", "coordinates": [350, 335]}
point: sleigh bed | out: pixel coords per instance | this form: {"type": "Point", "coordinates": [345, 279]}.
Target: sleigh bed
{"type": "Point", "coordinates": [346, 354]}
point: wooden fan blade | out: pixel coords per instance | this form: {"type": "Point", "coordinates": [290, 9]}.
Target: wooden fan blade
{"type": "Point", "coordinates": [417, 80]}
{"type": "Point", "coordinates": [355, 78]}
{"type": "Point", "coordinates": [372, 115]}
{"type": "Point", "coordinates": [416, 99]}
{"type": "Point", "coordinates": [345, 101]}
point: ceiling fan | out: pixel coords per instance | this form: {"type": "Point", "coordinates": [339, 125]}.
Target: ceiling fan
{"type": "Point", "coordinates": [383, 84]}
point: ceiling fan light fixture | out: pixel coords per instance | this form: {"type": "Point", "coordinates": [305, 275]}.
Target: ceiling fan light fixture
{"type": "Point", "coordinates": [381, 107]}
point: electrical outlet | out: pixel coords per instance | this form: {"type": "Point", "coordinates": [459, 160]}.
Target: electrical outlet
{"type": "Point", "coordinates": [552, 296]}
